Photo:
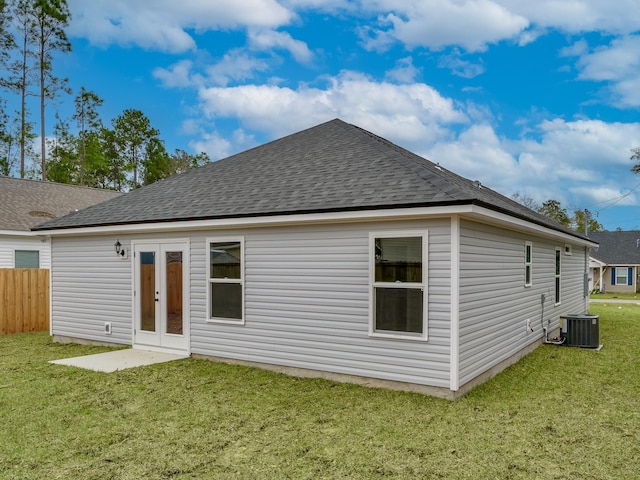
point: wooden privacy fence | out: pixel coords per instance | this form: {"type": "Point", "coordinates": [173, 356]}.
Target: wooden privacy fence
{"type": "Point", "coordinates": [24, 300]}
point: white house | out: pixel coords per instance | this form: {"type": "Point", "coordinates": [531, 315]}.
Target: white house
{"type": "Point", "coordinates": [26, 203]}
{"type": "Point", "coordinates": [330, 252]}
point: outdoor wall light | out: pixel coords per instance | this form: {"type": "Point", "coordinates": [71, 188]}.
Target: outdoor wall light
{"type": "Point", "coordinates": [119, 248]}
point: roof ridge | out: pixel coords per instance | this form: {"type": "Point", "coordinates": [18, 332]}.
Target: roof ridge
{"type": "Point", "coordinates": [55, 184]}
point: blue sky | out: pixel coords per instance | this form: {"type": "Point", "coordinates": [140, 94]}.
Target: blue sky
{"type": "Point", "coordinates": [537, 98]}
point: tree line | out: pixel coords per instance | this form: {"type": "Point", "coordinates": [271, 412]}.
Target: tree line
{"type": "Point", "coordinates": [81, 149]}
{"type": "Point", "coordinates": [554, 210]}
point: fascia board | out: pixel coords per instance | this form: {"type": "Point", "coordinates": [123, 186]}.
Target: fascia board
{"type": "Point", "coordinates": [267, 221]}
{"type": "Point", "coordinates": [20, 233]}
{"type": "Point", "coordinates": [469, 211]}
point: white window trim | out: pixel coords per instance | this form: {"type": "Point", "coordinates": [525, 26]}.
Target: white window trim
{"type": "Point", "coordinates": [423, 285]}
{"type": "Point", "coordinates": [209, 280]}
{"type": "Point", "coordinates": [528, 264]}
{"type": "Point", "coordinates": [557, 277]}
{"type": "Point", "coordinates": [626, 277]}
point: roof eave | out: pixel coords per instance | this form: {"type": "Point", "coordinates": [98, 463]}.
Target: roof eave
{"type": "Point", "coordinates": [466, 209]}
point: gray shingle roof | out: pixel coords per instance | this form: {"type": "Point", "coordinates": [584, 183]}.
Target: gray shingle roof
{"type": "Point", "coordinates": [617, 248]}
{"type": "Point", "coordinates": [26, 203]}
{"type": "Point", "coordinates": [331, 167]}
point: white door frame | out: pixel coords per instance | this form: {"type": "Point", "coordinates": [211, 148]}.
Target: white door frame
{"type": "Point", "coordinates": [159, 341]}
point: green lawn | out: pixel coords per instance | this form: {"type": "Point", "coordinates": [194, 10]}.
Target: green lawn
{"type": "Point", "coordinates": [560, 413]}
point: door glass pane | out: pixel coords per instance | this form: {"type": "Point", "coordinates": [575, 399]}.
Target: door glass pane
{"type": "Point", "coordinates": [398, 259]}
{"type": "Point", "coordinates": [225, 260]}
{"type": "Point", "coordinates": [399, 309]}
{"type": "Point", "coordinates": [148, 291]}
{"type": "Point", "coordinates": [173, 292]}
{"type": "Point", "coordinates": [226, 300]}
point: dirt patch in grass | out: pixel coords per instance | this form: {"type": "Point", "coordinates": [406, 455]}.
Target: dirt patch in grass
{"type": "Point", "coordinates": [560, 413]}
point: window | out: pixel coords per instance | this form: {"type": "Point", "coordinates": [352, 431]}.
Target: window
{"type": "Point", "coordinates": [557, 275]}
{"type": "Point", "coordinates": [398, 285]}
{"type": "Point", "coordinates": [622, 276]}
{"type": "Point", "coordinates": [528, 247]}
{"type": "Point", "coordinates": [225, 292]}
{"type": "Point", "coordinates": [27, 259]}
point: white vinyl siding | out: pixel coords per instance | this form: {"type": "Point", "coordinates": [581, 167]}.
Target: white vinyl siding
{"type": "Point", "coordinates": [494, 303]}
{"type": "Point", "coordinates": [307, 304]}
{"type": "Point", "coordinates": [306, 300]}
{"type": "Point", "coordinates": [9, 245]}
{"type": "Point", "coordinates": [91, 285]}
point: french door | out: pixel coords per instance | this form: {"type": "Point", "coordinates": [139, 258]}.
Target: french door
{"type": "Point", "coordinates": [161, 293]}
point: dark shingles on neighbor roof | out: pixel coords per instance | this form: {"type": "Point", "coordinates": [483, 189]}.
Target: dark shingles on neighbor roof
{"type": "Point", "coordinates": [617, 248]}
{"type": "Point", "coordinates": [27, 203]}
{"type": "Point", "coordinates": [331, 167]}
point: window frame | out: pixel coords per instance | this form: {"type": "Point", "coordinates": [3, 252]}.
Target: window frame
{"type": "Point", "coordinates": [628, 274]}
{"type": "Point", "coordinates": [423, 285]}
{"type": "Point", "coordinates": [210, 281]}
{"type": "Point", "coordinates": [25, 250]}
{"type": "Point", "coordinates": [528, 265]}
{"type": "Point", "coordinates": [557, 270]}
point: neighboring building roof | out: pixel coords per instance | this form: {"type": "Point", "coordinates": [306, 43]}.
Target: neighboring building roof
{"type": "Point", "coordinates": [26, 203]}
{"type": "Point", "coordinates": [331, 167]}
{"type": "Point", "coordinates": [617, 248]}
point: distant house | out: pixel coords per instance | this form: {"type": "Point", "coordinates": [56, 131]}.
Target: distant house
{"type": "Point", "coordinates": [26, 203]}
{"type": "Point", "coordinates": [614, 263]}
{"type": "Point", "coordinates": [331, 252]}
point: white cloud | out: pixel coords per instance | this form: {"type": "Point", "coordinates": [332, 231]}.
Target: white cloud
{"type": "Point", "coordinates": [413, 113]}
{"type": "Point", "coordinates": [477, 154]}
{"type": "Point", "coordinates": [176, 76]}
{"type": "Point", "coordinates": [163, 26]}
{"type": "Point", "coordinates": [236, 65]}
{"type": "Point", "coordinates": [577, 49]}
{"type": "Point", "coordinates": [269, 39]}
{"type": "Point", "coordinates": [471, 24]}
{"type": "Point", "coordinates": [404, 71]}
{"type": "Point", "coordinates": [215, 145]}
{"type": "Point", "coordinates": [575, 16]}
{"type": "Point", "coordinates": [579, 163]}
{"type": "Point", "coordinates": [458, 66]}
{"type": "Point", "coordinates": [618, 64]}
{"type": "Point", "coordinates": [474, 24]}
{"type": "Point", "coordinates": [619, 60]}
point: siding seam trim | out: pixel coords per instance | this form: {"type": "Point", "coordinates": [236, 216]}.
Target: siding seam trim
{"type": "Point", "coordinates": [455, 304]}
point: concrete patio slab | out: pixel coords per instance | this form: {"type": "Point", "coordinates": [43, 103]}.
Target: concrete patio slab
{"type": "Point", "coordinates": [118, 360]}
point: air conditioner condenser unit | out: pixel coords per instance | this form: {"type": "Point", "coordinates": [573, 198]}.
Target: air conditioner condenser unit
{"type": "Point", "coordinates": [580, 330]}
